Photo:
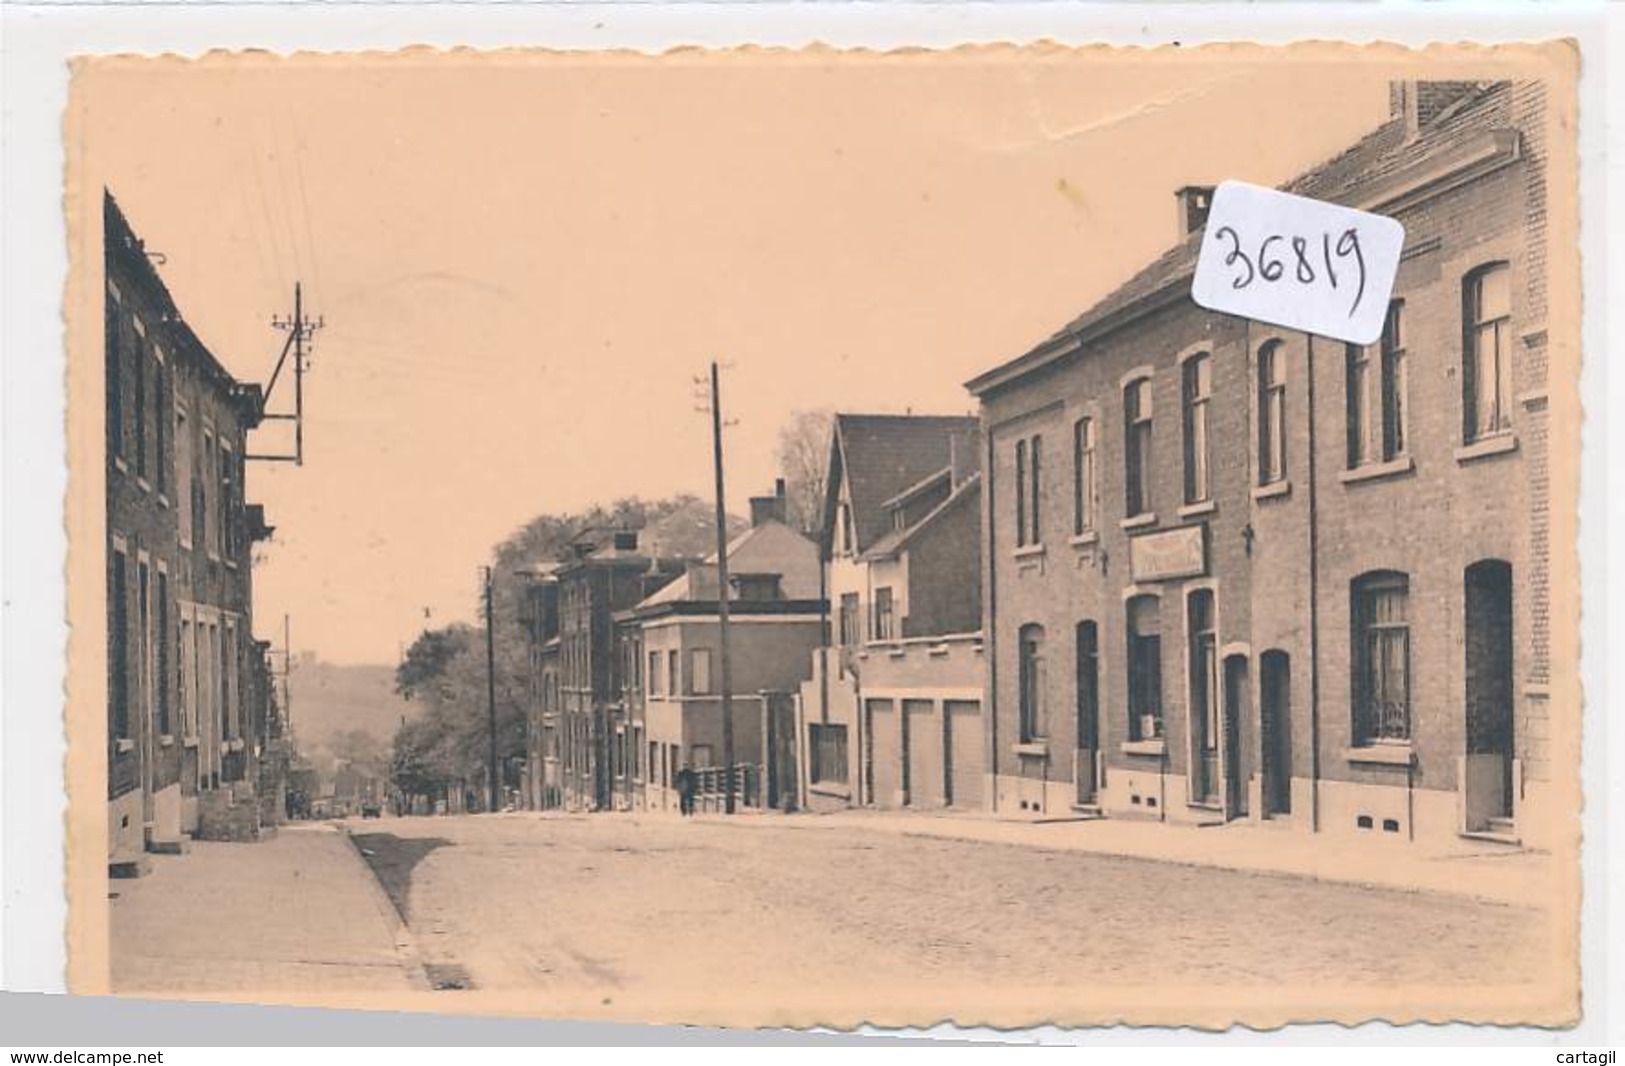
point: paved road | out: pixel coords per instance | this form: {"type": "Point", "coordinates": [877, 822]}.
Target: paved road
{"type": "Point", "coordinates": [638, 907]}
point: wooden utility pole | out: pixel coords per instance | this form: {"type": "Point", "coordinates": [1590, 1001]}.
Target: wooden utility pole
{"type": "Point", "coordinates": [491, 691]}
{"type": "Point", "coordinates": [722, 598]}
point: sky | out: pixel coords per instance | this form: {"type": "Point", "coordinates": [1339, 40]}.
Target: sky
{"type": "Point", "coordinates": [523, 261]}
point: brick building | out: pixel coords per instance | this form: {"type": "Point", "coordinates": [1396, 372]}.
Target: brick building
{"type": "Point", "coordinates": [671, 662]}
{"type": "Point", "coordinates": [190, 702]}
{"type": "Point", "coordinates": [1235, 571]}
{"type": "Point", "coordinates": [583, 729]}
{"type": "Point", "coordinates": [891, 716]}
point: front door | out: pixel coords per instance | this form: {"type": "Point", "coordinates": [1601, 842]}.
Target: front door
{"type": "Point", "coordinates": [1231, 747]}
{"type": "Point", "coordinates": [1275, 732]}
{"type": "Point", "coordinates": [1088, 709]}
{"type": "Point", "coordinates": [1488, 786]}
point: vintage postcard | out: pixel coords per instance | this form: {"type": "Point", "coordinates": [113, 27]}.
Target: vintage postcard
{"type": "Point", "coordinates": [766, 537]}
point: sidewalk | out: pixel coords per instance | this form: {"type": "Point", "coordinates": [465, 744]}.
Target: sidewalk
{"type": "Point", "coordinates": [299, 911]}
{"type": "Point", "coordinates": [1488, 872]}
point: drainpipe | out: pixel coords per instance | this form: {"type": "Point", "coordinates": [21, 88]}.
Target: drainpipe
{"type": "Point", "coordinates": [1314, 600]}
{"type": "Point", "coordinates": [990, 618]}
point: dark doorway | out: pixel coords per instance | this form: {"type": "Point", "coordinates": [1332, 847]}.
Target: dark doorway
{"type": "Point", "coordinates": [1088, 710]}
{"type": "Point", "coordinates": [1489, 783]}
{"type": "Point", "coordinates": [1275, 731]}
{"type": "Point", "coordinates": [1237, 703]}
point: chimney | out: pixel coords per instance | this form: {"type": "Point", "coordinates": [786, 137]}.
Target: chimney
{"type": "Point", "coordinates": [769, 508]}
{"type": "Point", "coordinates": [1194, 202]}
{"type": "Point", "coordinates": [1419, 103]}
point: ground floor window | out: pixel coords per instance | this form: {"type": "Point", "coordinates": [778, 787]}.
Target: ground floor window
{"type": "Point", "coordinates": [827, 746]}
{"type": "Point", "coordinates": [1381, 645]}
{"type": "Point", "coordinates": [1144, 668]}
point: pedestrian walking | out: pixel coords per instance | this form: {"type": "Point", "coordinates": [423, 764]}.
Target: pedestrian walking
{"type": "Point", "coordinates": [687, 784]}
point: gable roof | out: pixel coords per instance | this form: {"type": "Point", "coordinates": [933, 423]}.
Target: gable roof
{"type": "Point", "coordinates": [896, 540]}
{"type": "Point", "coordinates": [882, 456]}
{"type": "Point", "coordinates": [769, 548]}
{"type": "Point", "coordinates": [1361, 176]}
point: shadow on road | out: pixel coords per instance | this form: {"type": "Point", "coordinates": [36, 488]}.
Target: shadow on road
{"type": "Point", "coordinates": [392, 859]}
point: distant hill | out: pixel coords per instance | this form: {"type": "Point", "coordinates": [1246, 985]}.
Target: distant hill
{"type": "Point", "coordinates": [328, 698]}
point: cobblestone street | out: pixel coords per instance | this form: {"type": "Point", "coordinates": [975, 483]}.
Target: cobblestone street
{"type": "Point", "coordinates": [641, 907]}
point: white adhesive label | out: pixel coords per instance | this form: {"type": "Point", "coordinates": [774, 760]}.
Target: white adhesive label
{"type": "Point", "coordinates": [1295, 262]}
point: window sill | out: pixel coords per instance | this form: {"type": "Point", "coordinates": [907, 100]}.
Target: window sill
{"type": "Point", "coordinates": [1382, 754]}
{"type": "Point", "coordinates": [189, 742]}
{"type": "Point", "coordinates": [1085, 540]}
{"type": "Point", "coordinates": [166, 741]}
{"type": "Point", "coordinates": [1275, 490]}
{"type": "Point", "coordinates": [120, 465]}
{"type": "Point", "coordinates": [836, 791]}
{"type": "Point", "coordinates": [1140, 521]}
{"type": "Point", "coordinates": [124, 745]}
{"type": "Point", "coordinates": [1378, 471]}
{"type": "Point", "coordinates": [1037, 749]}
{"type": "Point", "coordinates": [146, 486]}
{"type": "Point", "coordinates": [1030, 551]}
{"type": "Point", "coordinates": [1500, 444]}
{"type": "Point", "coordinates": [1145, 747]}
{"type": "Point", "coordinates": [163, 501]}
{"type": "Point", "coordinates": [1196, 510]}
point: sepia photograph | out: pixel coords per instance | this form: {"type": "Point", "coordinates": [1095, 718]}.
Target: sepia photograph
{"type": "Point", "coordinates": [1005, 535]}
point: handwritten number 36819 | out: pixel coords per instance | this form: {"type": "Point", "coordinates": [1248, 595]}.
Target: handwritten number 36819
{"type": "Point", "coordinates": [1273, 262]}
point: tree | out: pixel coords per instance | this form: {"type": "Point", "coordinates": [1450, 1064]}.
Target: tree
{"type": "Point", "coordinates": [803, 456]}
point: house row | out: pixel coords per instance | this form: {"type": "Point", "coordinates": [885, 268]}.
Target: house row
{"type": "Point", "coordinates": [1180, 566]}
{"type": "Point", "coordinates": [191, 713]}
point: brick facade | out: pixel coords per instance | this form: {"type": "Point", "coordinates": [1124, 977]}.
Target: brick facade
{"type": "Point", "coordinates": [190, 704]}
{"type": "Point", "coordinates": [1310, 629]}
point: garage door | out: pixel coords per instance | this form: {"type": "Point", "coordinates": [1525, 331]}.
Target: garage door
{"type": "Point", "coordinates": [964, 753]}
{"type": "Point", "coordinates": [885, 754]}
{"type": "Point", "coordinates": [925, 785]}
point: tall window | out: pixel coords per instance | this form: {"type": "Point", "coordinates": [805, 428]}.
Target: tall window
{"type": "Point", "coordinates": [228, 501]}
{"type": "Point", "coordinates": [1394, 384]}
{"type": "Point", "coordinates": [1029, 491]}
{"type": "Point", "coordinates": [1204, 667]}
{"type": "Point", "coordinates": [183, 475]}
{"type": "Point", "coordinates": [1035, 491]}
{"type": "Point", "coordinates": [202, 524]}
{"type": "Point", "coordinates": [699, 671]}
{"type": "Point", "coordinates": [161, 670]}
{"type": "Point", "coordinates": [673, 676]}
{"type": "Point", "coordinates": [1271, 414]}
{"type": "Point", "coordinates": [850, 620]}
{"type": "Point", "coordinates": [828, 762]}
{"type": "Point", "coordinates": [1085, 489]}
{"type": "Point", "coordinates": [655, 674]}
{"type": "Point", "coordinates": [1144, 668]}
{"type": "Point", "coordinates": [118, 661]}
{"type": "Point", "coordinates": [885, 620]}
{"type": "Point", "coordinates": [1358, 377]}
{"type": "Point", "coordinates": [1021, 493]}
{"type": "Point", "coordinates": [1487, 316]}
{"type": "Point", "coordinates": [115, 378]}
{"type": "Point", "coordinates": [160, 425]}
{"type": "Point", "coordinates": [1137, 447]}
{"type": "Point", "coordinates": [1088, 684]}
{"type": "Point", "coordinates": [140, 412]}
{"type": "Point", "coordinates": [1034, 724]}
{"type": "Point", "coordinates": [1197, 390]}
{"type": "Point", "coordinates": [1381, 646]}
{"type": "Point", "coordinates": [846, 528]}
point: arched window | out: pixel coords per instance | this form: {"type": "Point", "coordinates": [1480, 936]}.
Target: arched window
{"type": "Point", "coordinates": [1196, 378]}
{"type": "Point", "coordinates": [1271, 414]}
{"type": "Point", "coordinates": [1381, 648]}
{"type": "Point", "coordinates": [1034, 724]}
{"type": "Point", "coordinates": [1144, 668]}
{"type": "Point", "coordinates": [1486, 373]}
